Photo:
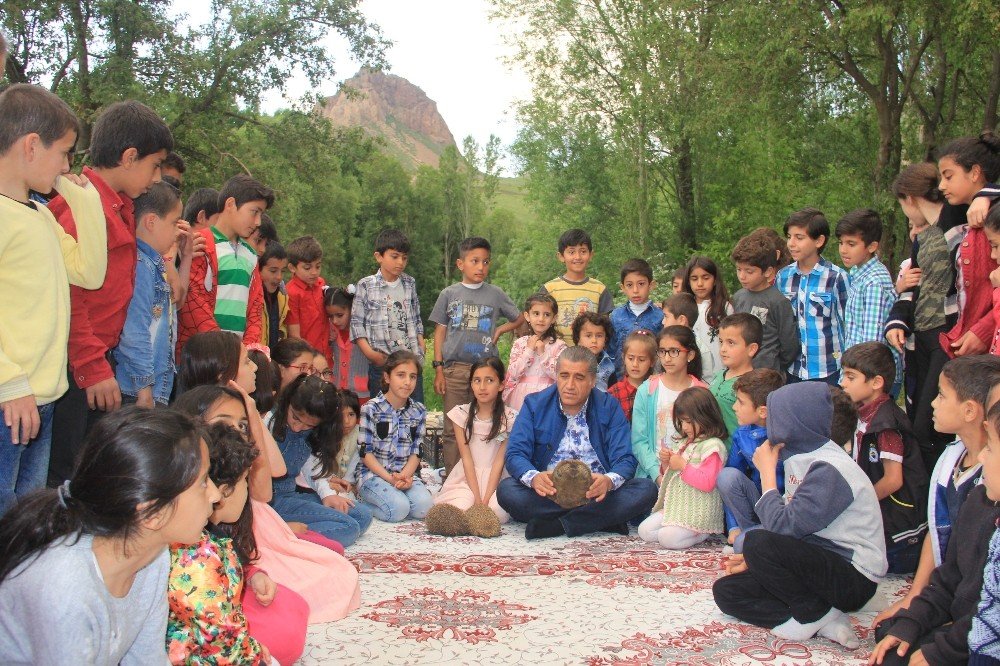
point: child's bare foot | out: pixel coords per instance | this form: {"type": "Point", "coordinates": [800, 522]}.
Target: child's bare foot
{"type": "Point", "coordinates": [735, 564]}
{"type": "Point", "coordinates": [733, 533]}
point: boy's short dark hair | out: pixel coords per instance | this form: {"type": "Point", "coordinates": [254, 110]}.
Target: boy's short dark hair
{"type": "Point", "coordinates": [680, 273]}
{"type": "Point", "coordinates": [272, 250]}
{"type": "Point", "coordinates": [204, 200]}
{"type": "Point", "coordinates": [594, 318]}
{"type": "Point", "coordinates": [243, 189]}
{"type": "Point", "coordinates": [304, 249]}
{"type": "Point", "coordinates": [755, 250]}
{"type": "Point", "coordinates": [574, 237]}
{"type": "Point", "coordinates": [863, 222]}
{"type": "Point", "coordinates": [267, 231]}
{"type": "Point", "coordinates": [175, 162]}
{"type": "Point", "coordinates": [973, 377]}
{"type": "Point", "coordinates": [159, 199]}
{"type": "Point", "coordinates": [124, 125]}
{"type": "Point", "coordinates": [640, 266]}
{"type": "Point", "coordinates": [758, 384]}
{"type": "Point", "coordinates": [392, 239]}
{"type": "Point", "coordinates": [473, 243]}
{"type": "Point", "coordinates": [27, 109]}
{"type": "Point", "coordinates": [872, 359]}
{"type": "Point", "coordinates": [844, 423]}
{"type": "Point", "coordinates": [682, 305]}
{"type": "Point", "coordinates": [749, 326]}
{"type": "Point", "coordinates": [813, 221]}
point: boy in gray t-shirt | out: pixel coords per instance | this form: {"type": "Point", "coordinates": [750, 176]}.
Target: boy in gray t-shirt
{"type": "Point", "coordinates": [756, 264]}
{"type": "Point", "coordinates": [466, 316]}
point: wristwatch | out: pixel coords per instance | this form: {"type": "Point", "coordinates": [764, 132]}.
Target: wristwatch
{"type": "Point", "coordinates": [437, 364]}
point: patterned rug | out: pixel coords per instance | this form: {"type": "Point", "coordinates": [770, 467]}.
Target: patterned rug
{"type": "Point", "coordinates": [601, 599]}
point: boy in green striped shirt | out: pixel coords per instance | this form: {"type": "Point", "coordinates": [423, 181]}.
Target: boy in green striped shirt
{"type": "Point", "coordinates": [225, 291]}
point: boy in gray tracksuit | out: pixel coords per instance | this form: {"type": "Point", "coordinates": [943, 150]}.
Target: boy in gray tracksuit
{"type": "Point", "coordinates": [818, 550]}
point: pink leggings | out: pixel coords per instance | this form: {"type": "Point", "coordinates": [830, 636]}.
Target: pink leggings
{"type": "Point", "coordinates": [279, 626]}
{"type": "Point", "coordinates": [321, 540]}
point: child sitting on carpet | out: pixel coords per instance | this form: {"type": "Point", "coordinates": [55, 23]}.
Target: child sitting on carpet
{"type": "Point", "coordinates": [652, 412]}
{"type": "Point", "coordinates": [481, 430]}
{"type": "Point", "coordinates": [305, 563]}
{"type": "Point", "coordinates": [751, 392]}
{"type": "Point", "coordinates": [333, 475]}
{"type": "Point", "coordinates": [208, 619]}
{"type": "Point", "coordinates": [817, 552]}
{"type": "Point", "coordinates": [308, 419]}
{"type": "Point", "coordinates": [392, 430]}
{"type": "Point", "coordinates": [689, 508]}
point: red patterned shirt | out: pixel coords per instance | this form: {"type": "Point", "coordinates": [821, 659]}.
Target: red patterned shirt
{"type": "Point", "coordinates": [624, 392]}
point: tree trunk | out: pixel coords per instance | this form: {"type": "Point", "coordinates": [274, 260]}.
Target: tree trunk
{"type": "Point", "coordinates": [83, 73]}
{"type": "Point", "coordinates": [894, 244]}
{"type": "Point", "coordinates": [688, 226]}
{"type": "Point", "coordinates": [990, 115]}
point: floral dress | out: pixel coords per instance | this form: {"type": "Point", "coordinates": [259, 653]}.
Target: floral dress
{"type": "Point", "coordinates": [206, 624]}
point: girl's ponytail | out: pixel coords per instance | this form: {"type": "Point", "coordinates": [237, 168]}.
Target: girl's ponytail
{"type": "Point", "coordinates": [132, 457]}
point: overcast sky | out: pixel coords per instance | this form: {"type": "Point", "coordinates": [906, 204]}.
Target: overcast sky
{"type": "Point", "coordinates": [449, 48]}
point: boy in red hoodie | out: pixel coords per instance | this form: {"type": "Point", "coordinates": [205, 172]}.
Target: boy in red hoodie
{"type": "Point", "coordinates": [128, 143]}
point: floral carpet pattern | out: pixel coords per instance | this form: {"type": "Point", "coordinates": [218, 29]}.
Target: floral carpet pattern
{"type": "Point", "coordinates": [597, 600]}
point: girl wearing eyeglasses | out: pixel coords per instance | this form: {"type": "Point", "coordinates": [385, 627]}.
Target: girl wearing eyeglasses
{"type": "Point", "coordinates": [653, 412]}
{"type": "Point", "coordinates": [294, 357]}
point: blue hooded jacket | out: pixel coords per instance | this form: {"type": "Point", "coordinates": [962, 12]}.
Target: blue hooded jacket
{"type": "Point", "coordinates": [540, 426]}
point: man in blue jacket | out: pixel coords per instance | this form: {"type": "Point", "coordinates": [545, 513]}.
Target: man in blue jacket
{"type": "Point", "coordinates": [573, 421]}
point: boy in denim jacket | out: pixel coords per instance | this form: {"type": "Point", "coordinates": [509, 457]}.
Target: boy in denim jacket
{"type": "Point", "coordinates": [144, 358]}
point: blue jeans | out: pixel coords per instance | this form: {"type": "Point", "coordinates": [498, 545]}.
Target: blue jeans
{"type": "Point", "coordinates": [634, 498]}
{"type": "Point", "coordinates": [739, 495]}
{"type": "Point", "coordinates": [345, 528]}
{"type": "Point", "coordinates": [24, 467]}
{"type": "Point", "coordinates": [392, 505]}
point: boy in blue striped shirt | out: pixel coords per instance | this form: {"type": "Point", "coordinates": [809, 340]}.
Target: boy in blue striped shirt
{"type": "Point", "coordinates": [818, 292]}
{"type": "Point", "coordinates": [871, 294]}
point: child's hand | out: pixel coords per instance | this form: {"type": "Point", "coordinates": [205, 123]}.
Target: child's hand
{"type": "Point", "coordinates": [978, 209]}
{"type": "Point", "coordinates": [265, 654]}
{"type": "Point", "coordinates": [184, 239]}
{"type": "Point", "coordinates": [664, 455]}
{"type": "Point", "coordinates": [897, 338]}
{"type": "Point", "coordinates": [76, 179]}
{"type": "Point", "coordinates": [406, 481]}
{"type": "Point", "coordinates": [537, 344]}
{"type": "Point", "coordinates": [891, 611]}
{"type": "Point", "coordinates": [908, 279]}
{"type": "Point", "coordinates": [263, 588]}
{"type": "Point", "coordinates": [439, 382]}
{"type": "Point", "coordinates": [677, 462]}
{"type": "Point", "coordinates": [248, 402]}
{"type": "Point", "coordinates": [338, 503]}
{"type": "Point", "coordinates": [995, 278]}
{"type": "Point", "coordinates": [968, 345]}
{"type": "Point", "coordinates": [766, 456]}
{"type": "Point", "coordinates": [885, 646]}
{"type": "Point", "coordinates": [297, 528]}
{"type": "Point", "coordinates": [104, 395]}
{"type": "Point", "coordinates": [338, 484]}
{"type": "Point", "coordinates": [21, 416]}
{"type": "Point", "coordinates": [735, 564]}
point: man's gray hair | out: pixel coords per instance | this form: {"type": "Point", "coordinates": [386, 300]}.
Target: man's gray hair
{"type": "Point", "coordinates": [579, 354]}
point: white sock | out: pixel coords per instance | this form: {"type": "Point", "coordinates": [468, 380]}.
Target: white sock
{"type": "Point", "coordinates": [793, 630]}
{"type": "Point", "coordinates": [840, 631]}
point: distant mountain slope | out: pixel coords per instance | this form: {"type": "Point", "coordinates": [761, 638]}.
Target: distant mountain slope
{"type": "Point", "coordinates": [390, 107]}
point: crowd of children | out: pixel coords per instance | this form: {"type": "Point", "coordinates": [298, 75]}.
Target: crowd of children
{"type": "Point", "coordinates": [297, 417]}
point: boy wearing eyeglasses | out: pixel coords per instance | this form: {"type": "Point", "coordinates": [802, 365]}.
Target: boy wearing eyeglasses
{"type": "Point", "coordinates": [739, 339]}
